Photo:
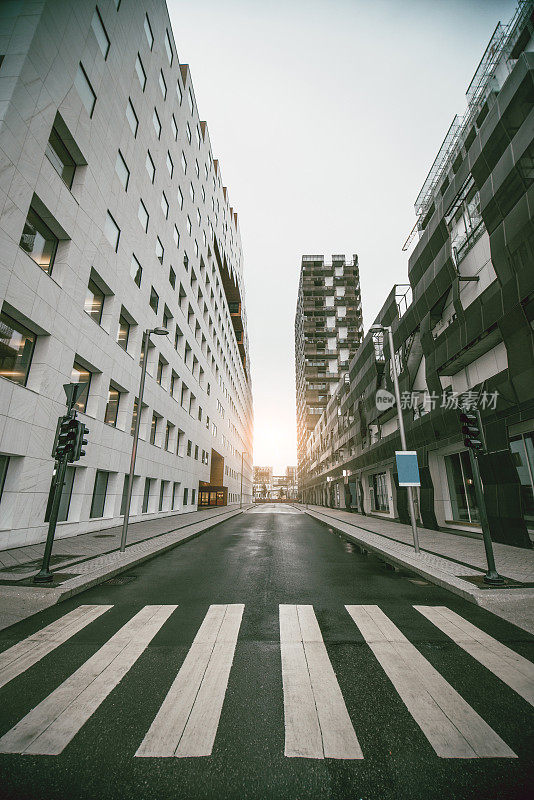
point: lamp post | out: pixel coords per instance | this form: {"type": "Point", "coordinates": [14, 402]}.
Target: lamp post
{"type": "Point", "coordinates": [411, 505]}
{"type": "Point", "coordinates": [146, 339]}
{"type": "Point", "coordinates": [241, 496]}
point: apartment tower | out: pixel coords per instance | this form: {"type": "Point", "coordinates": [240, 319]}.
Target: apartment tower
{"type": "Point", "coordinates": [114, 220]}
{"type": "Point", "coordinates": [328, 331]}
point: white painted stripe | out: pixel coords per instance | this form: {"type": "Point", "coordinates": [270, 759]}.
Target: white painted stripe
{"type": "Point", "coordinates": [317, 723]}
{"type": "Point", "coordinates": [29, 651]}
{"type": "Point", "coordinates": [51, 725]}
{"type": "Point", "coordinates": [451, 726]}
{"type": "Point", "coordinates": [187, 722]}
{"type": "Point", "coordinates": [514, 670]}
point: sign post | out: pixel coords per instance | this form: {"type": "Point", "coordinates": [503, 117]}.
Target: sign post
{"type": "Point", "coordinates": [408, 472]}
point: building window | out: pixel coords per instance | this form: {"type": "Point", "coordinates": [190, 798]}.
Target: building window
{"type": "Point", "coordinates": [66, 494]}
{"type": "Point", "coordinates": [162, 85]}
{"type": "Point", "coordinates": [154, 428]}
{"type": "Point", "coordinates": [192, 192]}
{"type": "Point", "coordinates": [461, 487]}
{"type": "Point", "coordinates": [175, 495]}
{"type": "Point", "coordinates": [99, 493]}
{"type": "Point", "coordinates": [193, 496]}
{"type": "Point", "coordinates": [85, 90]}
{"type": "Point", "coordinates": [188, 132]}
{"type": "Point", "coordinates": [189, 447]}
{"type": "Point", "coordinates": [174, 127]}
{"type": "Point", "coordinates": [123, 332]}
{"type": "Point", "coordinates": [161, 495]}
{"type": "Point", "coordinates": [94, 301]}
{"type": "Point", "coordinates": [154, 300]}
{"type": "Point", "coordinates": [146, 495]}
{"type": "Point", "coordinates": [142, 216]}
{"type": "Point", "coordinates": [16, 350]}
{"type": "Point", "coordinates": [189, 227]}
{"type": "Point", "coordinates": [180, 199]}
{"type": "Point", "coordinates": [164, 205]}
{"type": "Point", "coordinates": [159, 250]}
{"type": "Point", "coordinates": [179, 92]}
{"type": "Point", "coordinates": [159, 372]}
{"type": "Point", "coordinates": [174, 378]}
{"type": "Point", "coordinates": [190, 98]}
{"type": "Point", "coordinates": [379, 492]}
{"type": "Point", "coordinates": [124, 495]}
{"type": "Point", "coordinates": [39, 242]}
{"type": "Point", "coordinates": [522, 448]}
{"type": "Point", "coordinates": [185, 497]}
{"type": "Point", "coordinates": [112, 231]}
{"type": "Point", "coordinates": [122, 171]}
{"type": "Point", "coordinates": [136, 271]}
{"type": "Point", "coordinates": [60, 158]}
{"type": "Point", "coordinates": [134, 416]}
{"type": "Point", "coordinates": [156, 123]}
{"type": "Point", "coordinates": [100, 33]}
{"type": "Point", "coordinates": [168, 430]}
{"type": "Point", "coordinates": [150, 168]}
{"type": "Point", "coordinates": [112, 407]}
{"type": "Point", "coordinates": [148, 32]}
{"type": "Point", "coordinates": [131, 116]}
{"type": "Point", "coordinates": [184, 162]}
{"type": "Point", "coordinates": [199, 137]}
{"type": "Point", "coordinates": [168, 47]}
{"type": "Point", "coordinates": [80, 374]}
{"type": "Point", "coordinates": [140, 70]}
{"type": "Point", "coordinates": [170, 165]}
{"type": "Point", "coordinates": [197, 169]}
{"type": "Point", "coordinates": [172, 278]}
{"type": "Point", "coordinates": [4, 464]}
{"type": "Point", "coordinates": [196, 455]}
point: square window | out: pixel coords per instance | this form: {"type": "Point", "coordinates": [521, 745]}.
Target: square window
{"type": "Point", "coordinates": [154, 300]}
{"type": "Point", "coordinates": [164, 205]}
{"type": "Point", "coordinates": [122, 171]}
{"type": "Point", "coordinates": [150, 168]}
{"type": "Point", "coordinates": [174, 127]}
{"type": "Point", "coordinates": [168, 47]}
{"type": "Point", "coordinates": [148, 32]}
{"type": "Point", "coordinates": [136, 271]}
{"type": "Point", "coordinates": [131, 116]}
{"type": "Point", "coordinates": [162, 85]}
{"type": "Point", "coordinates": [140, 70]}
{"type": "Point", "coordinates": [157, 123]}
{"type": "Point", "coordinates": [39, 242]}
{"type": "Point", "coordinates": [176, 236]}
{"type": "Point", "coordinates": [142, 215]}
{"type": "Point", "coordinates": [82, 375]}
{"type": "Point", "coordinates": [159, 250]}
{"type": "Point", "coordinates": [112, 231]}
{"type": "Point", "coordinates": [60, 158]}
{"type": "Point", "coordinates": [16, 350]}
{"type": "Point", "coordinates": [94, 302]}
{"type": "Point", "coordinates": [100, 33]}
{"type": "Point", "coordinates": [170, 165]}
{"type": "Point", "coordinates": [184, 162]}
{"type": "Point", "coordinates": [85, 90]}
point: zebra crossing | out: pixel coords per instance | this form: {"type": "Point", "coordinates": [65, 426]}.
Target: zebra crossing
{"type": "Point", "coordinates": [316, 719]}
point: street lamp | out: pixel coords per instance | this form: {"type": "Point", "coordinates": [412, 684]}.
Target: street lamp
{"type": "Point", "coordinates": [241, 495]}
{"type": "Point", "coordinates": [146, 338]}
{"type": "Point", "coordinates": [411, 504]}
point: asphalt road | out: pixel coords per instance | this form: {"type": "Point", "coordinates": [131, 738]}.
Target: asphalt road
{"type": "Point", "coordinates": [241, 572]}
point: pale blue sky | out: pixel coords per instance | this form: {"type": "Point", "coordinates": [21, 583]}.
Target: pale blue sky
{"type": "Point", "coordinates": [326, 117]}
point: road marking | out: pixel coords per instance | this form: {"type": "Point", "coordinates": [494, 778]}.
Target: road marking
{"type": "Point", "coordinates": [451, 726]}
{"type": "Point", "coordinates": [50, 726]}
{"type": "Point", "coordinates": [514, 670]}
{"type": "Point", "coordinates": [187, 722]}
{"type": "Point", "coordinates": [29, 651]}
{"type": "Point", "coordinates": [317, 723]}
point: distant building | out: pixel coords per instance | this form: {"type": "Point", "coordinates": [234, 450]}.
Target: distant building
{"type": "Point", "coordinates": [262, 482]}
{"type": "Point", "coordinates": [275, 487]}
{"type": "Point", "coordinates": [328, 331]}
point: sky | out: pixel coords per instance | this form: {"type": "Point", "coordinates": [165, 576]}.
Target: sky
{"type": "Point", "coordinates": [326, 116]}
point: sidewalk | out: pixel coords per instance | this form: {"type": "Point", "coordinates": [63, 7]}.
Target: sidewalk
{"type": "Point", "coordinates": [446, 559]}
{"type": "Point", "coordinates": [80, 562]}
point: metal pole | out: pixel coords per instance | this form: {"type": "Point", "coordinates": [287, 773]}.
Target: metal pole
{"type": "Point", "coordinates": [402, 434]}
{"type": "Point", "coordinates": [241, 499]}
{"type": "Point", "coordinates": [44, 575]}
{"type": "Point", "coordinates": [146, 336]}
{"type": "Point", "coordinates": [492, 576]}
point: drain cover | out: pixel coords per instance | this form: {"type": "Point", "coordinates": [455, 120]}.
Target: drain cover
{"type": "Point", "coordinates": [120, 580]}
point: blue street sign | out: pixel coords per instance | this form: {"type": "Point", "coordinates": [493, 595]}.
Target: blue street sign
{"type": "Point", "coordinates": [407, 468]}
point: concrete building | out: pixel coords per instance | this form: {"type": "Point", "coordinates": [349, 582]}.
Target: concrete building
{"type": "Point", "coordinates": [462, 329]}
{"type": "Point", "coordinates": [328, 331]}
{"type": "Point", "coordinates": [275, 487]}
{"type": "Point", "coordinates": [114, 219]}
{"type": "Point", "coordinates": [263, 479]}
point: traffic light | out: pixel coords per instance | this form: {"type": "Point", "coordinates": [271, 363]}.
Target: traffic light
{"type": "Point", "coordinates": [471, 429]}
{"type": "Point", "coordinates": [81, 431]}
{"type": "Point", "coordinates": [65, 438]}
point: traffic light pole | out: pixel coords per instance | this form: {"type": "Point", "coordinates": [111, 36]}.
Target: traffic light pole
{"type": "Point", "coordinates": [44, 575]}
{"type": "Point", "coordinates": [492, 576]}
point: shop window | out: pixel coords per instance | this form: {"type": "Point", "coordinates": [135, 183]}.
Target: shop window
{"type": "Point", "coordinates": [522, 448]}
{"type": "Point", "coordinates": [461, 488]}
{"type": "Point", "coordinates": [379, 492]}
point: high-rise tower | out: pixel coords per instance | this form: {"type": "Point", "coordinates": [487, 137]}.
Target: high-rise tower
{"type": "Point", "coordinates": [328, 331]}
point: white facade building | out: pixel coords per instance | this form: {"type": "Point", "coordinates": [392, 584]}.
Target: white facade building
{"type": "Point", "coordinates": [114, 219]}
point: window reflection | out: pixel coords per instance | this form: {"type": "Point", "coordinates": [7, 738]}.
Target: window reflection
{"type": "Point", "coordinates": [16, 350]}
